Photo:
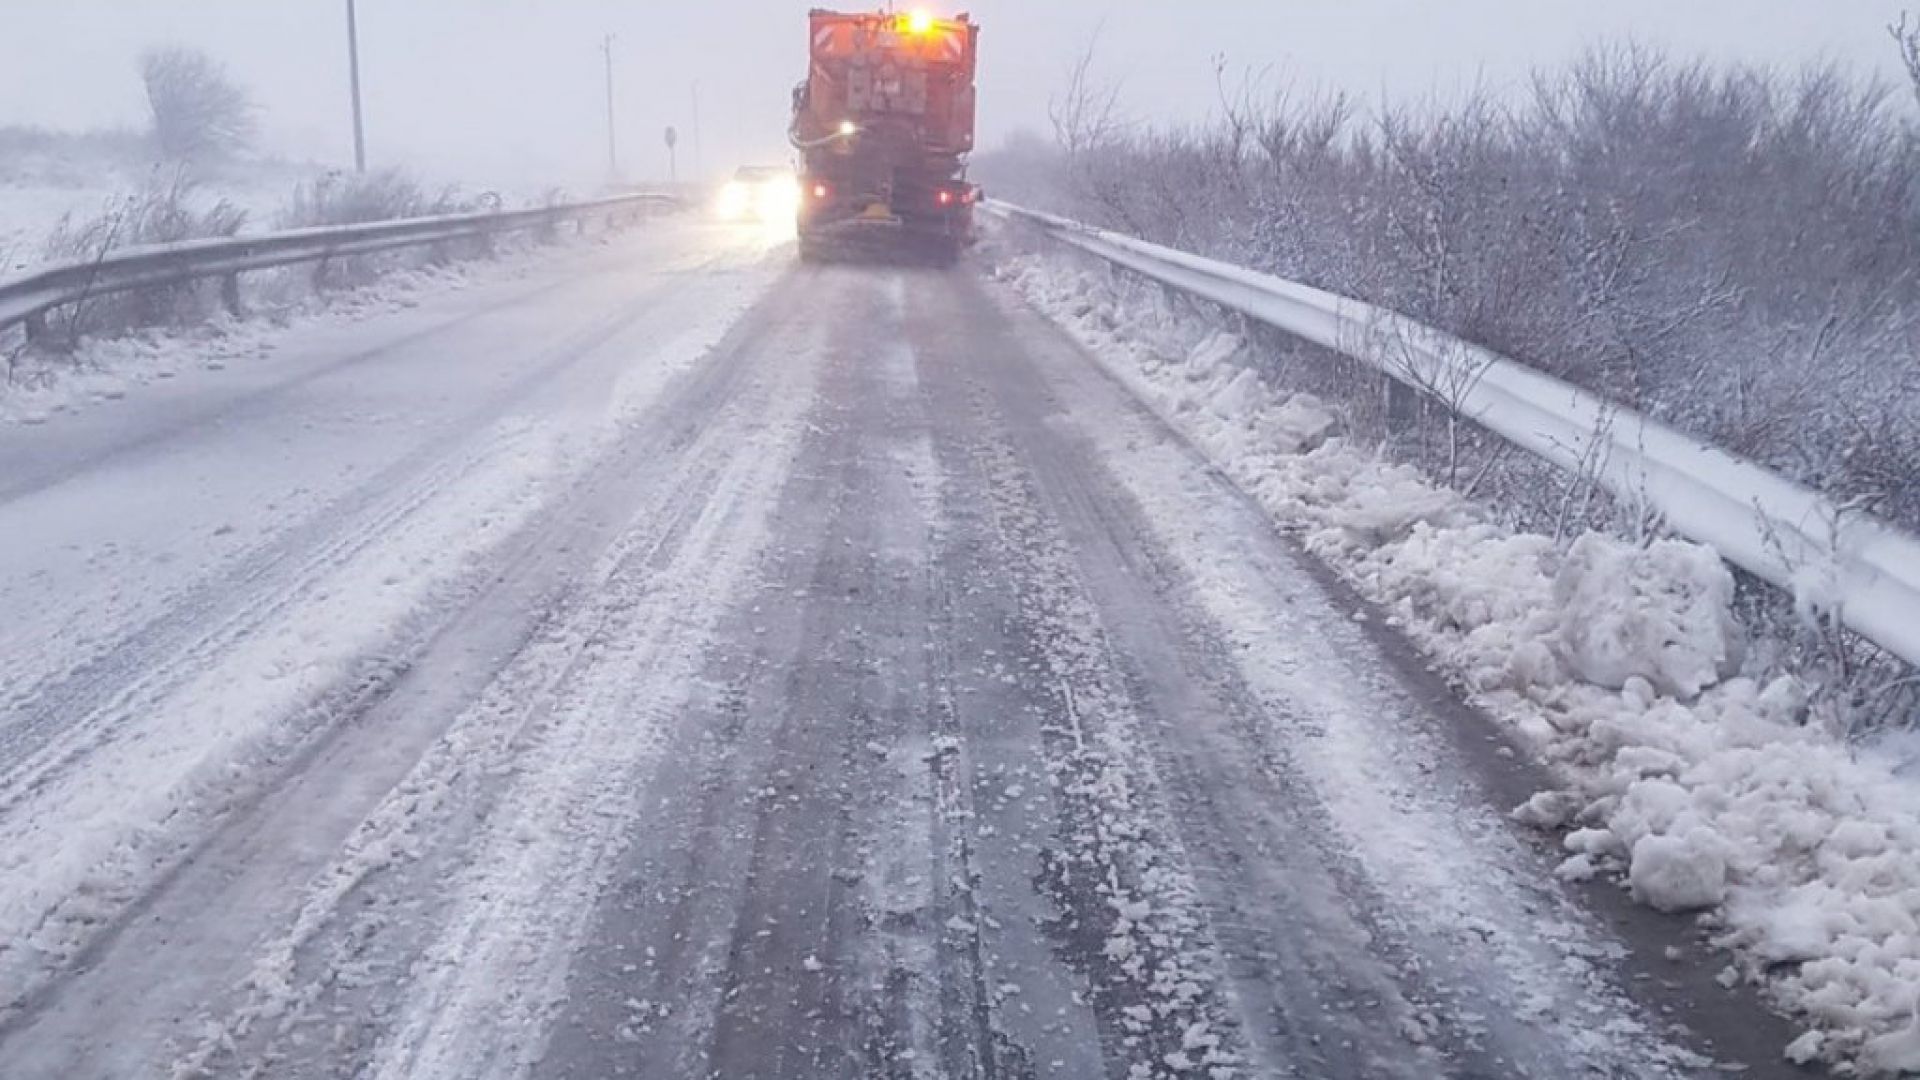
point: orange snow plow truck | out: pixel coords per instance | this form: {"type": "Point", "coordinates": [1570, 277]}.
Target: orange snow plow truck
{"type": "Point", "coordinates": [883, 125]}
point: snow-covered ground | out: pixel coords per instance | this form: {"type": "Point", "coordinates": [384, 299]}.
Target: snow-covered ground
{"type": "Point", "coordinates": [28, 215]}
{"type": "Point", "coordinates": [1702, 789]}
{"type": "Point", "coordinates": [39, 386]}
{"type": "Point", "coordinates": [168, 638]}
{"type": "Point", "coordinates": [36, 195]}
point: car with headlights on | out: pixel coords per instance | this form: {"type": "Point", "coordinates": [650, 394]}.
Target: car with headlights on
{"type": "Point", "coordinates": [760, 193]}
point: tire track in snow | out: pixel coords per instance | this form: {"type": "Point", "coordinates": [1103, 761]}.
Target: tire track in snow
{"type": "Point", "coordinates": [1317, 990]}
{"type": "Point", "coordinates": [1128, 914]}
{"type": "Point", "coordinates": [482, 996]}
{"type": "Point", "coordinates": [735, 918]}
{"type": "Point", "coordinates": [536, 773]}
{"type": "Point", "coordinates": [803, 900]}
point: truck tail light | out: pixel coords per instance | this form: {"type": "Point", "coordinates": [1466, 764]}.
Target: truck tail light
{"type": "Point", "coordinates": [945, 197]}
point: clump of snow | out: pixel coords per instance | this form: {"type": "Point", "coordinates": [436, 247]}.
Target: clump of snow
{"type": "Point", "coordinates": [1298, 424]}
{"type": "Point", "coordinates": [1678, 873]}
{"type": "Point", "coordinates": [1896, 1052]}
{"type": "Point", "coordinates": [1546, 810]}
{"type": "Point", "coordinates": [1805, 1049]}
{"type": "Point", "coordinates": [1663, 614]}
{"type": "Point", "coordinates": [1700, 787]}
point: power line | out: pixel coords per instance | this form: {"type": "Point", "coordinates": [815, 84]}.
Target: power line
{"type": "Point", "coordinates": [699, 152]}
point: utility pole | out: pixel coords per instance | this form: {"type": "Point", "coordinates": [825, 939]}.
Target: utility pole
{"type": "Point", "coordinates": [699, 154]}
{"type": "Point", "coordinates": [353, 66]}
{"type": "Point", "coordinates": [613, 146]}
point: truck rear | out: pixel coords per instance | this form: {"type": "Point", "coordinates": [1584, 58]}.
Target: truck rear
{"type": "Point", "coordinates": [884, 124]}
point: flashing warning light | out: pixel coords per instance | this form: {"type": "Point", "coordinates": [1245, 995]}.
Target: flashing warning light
{"type": "Point", "coordinates": [920, 22]}
{"type": "Point", "coordinates": [848, 129]}
{"type": "Point", "coordinates": [820, 191]}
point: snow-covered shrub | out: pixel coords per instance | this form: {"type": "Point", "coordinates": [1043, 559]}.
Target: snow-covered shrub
{"type": "Point", "coordinates": [1730, 249]}
{"type": "Point", "coordinates": [168, 210]}
{"type": "Point", "coordinates": [339, 199]}
{"type": "Point", "coordinates": [356, 199]}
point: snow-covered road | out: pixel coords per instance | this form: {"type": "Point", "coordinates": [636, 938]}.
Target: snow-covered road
{"type": "Point", "coordinates": [673, 661]}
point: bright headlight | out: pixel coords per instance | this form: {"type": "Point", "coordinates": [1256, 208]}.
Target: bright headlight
{"type": "Point", "coordinates": [779, 198]}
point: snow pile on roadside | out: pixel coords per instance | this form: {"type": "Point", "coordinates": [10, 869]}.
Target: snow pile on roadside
{"type": "Point", "coordinates": [1703, 789]}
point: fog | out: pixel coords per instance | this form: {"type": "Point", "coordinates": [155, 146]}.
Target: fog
{"type": "Point", "coordinates": [511, 91]}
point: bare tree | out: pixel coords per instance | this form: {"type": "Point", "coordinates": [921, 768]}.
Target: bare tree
{"type": "Point", "coordinates": [198, 110]}
{"type": "Point", "coordinates": [1086, 116]}
{"type": "Point", "coordinates": [1906, 34]}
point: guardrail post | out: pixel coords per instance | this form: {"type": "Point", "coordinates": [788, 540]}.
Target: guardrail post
{"type": "Point", "coordinates": [36, 325]}
{"type": "Point", "coordinates": [1175, 300]}
{"type": "Point", "coordinates": [230, 295]}
{"type": "Point", "coordinates": [1403, 405]}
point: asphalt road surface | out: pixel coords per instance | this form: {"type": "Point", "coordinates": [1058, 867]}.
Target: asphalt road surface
{"type": "Point", "coordinates": [667, 660]}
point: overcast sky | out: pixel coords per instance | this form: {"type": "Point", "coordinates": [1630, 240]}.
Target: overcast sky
{"type": "Point", "coordinates": [510, 91]}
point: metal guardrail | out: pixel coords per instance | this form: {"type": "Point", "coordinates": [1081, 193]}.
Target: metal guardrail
{"type": "Point", "coordinates": [1853, 564]}
{"type": "Point", "coordinates": [27, 299]}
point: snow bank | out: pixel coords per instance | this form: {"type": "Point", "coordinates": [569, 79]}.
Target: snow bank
{"type": "Point", "coordinates": [1702, 790]}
